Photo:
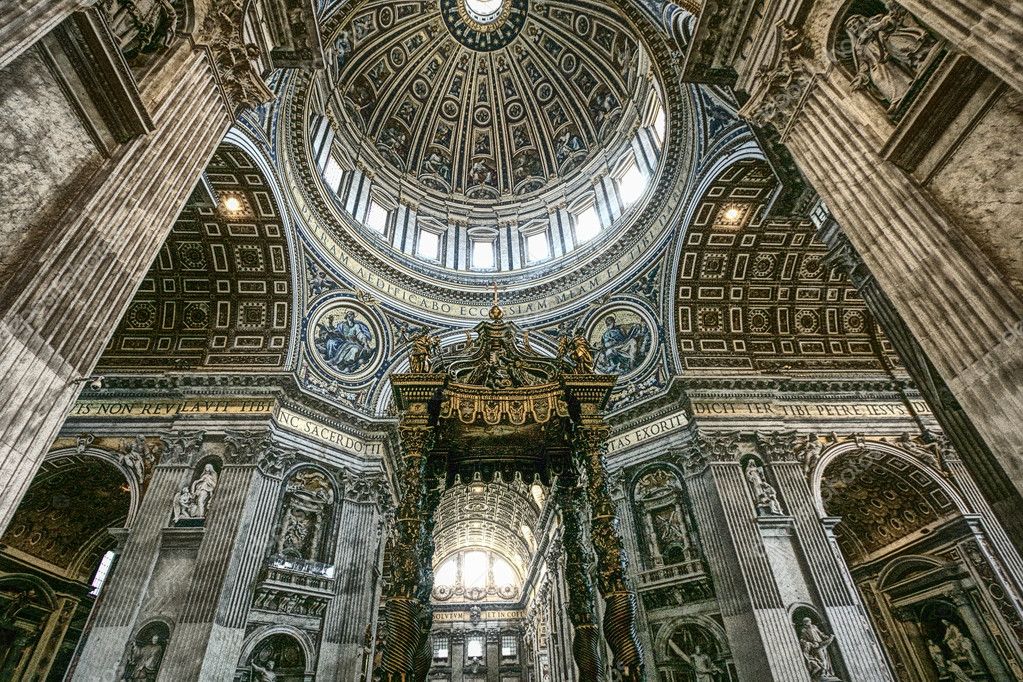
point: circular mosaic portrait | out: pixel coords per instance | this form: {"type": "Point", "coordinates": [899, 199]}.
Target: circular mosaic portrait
{"type": "Point", "coordinates": [345, 340]}
{"type": "Point", "coordinates": [622, 337]}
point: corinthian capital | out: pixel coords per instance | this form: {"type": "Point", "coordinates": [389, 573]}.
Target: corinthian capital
{"type": "Point", "coordinates": [781, 84]}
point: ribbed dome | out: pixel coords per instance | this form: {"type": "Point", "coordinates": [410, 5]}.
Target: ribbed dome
{"type": "Point", "coordinates": [482, 110]}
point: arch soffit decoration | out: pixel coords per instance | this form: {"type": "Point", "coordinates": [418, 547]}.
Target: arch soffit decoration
{"type": "Point", "coordinates": [752, 292]}
{"type": "Point", "coordinates": [220, 294]}
{"type": "Point", "coordinates": [97, 487]}
{"type": "Point", "coordinates": [833, 452]}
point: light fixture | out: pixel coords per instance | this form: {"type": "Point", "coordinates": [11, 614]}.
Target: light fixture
{"type": "Point", "coordinates": [732, 214]}
{"type": "Point", "coordinates": [232, 204]}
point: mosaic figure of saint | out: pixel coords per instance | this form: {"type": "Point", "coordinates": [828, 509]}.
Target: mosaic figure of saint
{"type": "Point", "coordinates": [346, 345]}
{"type": "Point", "coordinates": [622, 347]}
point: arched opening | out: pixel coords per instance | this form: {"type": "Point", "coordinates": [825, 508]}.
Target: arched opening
{"type": "Point", "coordinates": [920, 566]}
{"type": "Point", "coordinates": [279, 657]}
{"type": "Point", "coordinates": [54, 559]}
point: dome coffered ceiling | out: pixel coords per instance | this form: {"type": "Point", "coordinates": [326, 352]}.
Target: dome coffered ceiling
{"type": "Point", "coordinates": [480, 110]}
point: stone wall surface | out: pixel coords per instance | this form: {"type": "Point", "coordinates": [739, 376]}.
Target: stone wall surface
{"type": "Point", "coordinates": [46, 150]}
{"type": "Point", "coordinates": [981, 186]}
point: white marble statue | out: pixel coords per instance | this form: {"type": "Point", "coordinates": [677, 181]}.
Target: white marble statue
{"type": "Point", "coordinates": [764, 492]}
{"type": "Point", "coordinates": [961, 646]}
{"type": "Point", "coordinates": [202, 491]}
{"type": "Point", "coordinates": [183, 504]}
{"type": "Point", "coordinates": [265, 673]}
{"type": "Point", "coordinates": [814, 645]}
{"type": "Point", "coordinates": [144, 661]}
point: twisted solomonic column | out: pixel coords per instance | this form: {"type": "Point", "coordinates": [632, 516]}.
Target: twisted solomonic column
{"type": "Point", "coordinates": [581, 599]}
{"type": "Point", "coordinates": [405, 611]}
{"type": "Point", "coordinates": [612, 560]}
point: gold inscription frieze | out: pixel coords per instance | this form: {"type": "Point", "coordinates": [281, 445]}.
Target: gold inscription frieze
{"type": "Point", "coordinates": [806, 410]}
{"type": "Point", "coordinates": [296, 423]}
{"type": "Point", "coordinates": [172, 408]}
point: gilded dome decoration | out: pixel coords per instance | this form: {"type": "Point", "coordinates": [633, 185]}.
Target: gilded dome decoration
{"type": "Point", "coordinates": [460, 106]}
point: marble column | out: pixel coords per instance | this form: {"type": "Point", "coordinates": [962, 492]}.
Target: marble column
{"type": "Point", "coordinates": [350, 619]}
{"type": "Point", "coordinates": [990, 31]}
{"type": "Point", "coordinates": [760, 633]}
{"type": "Point", "coordinates": [201, 648]}
{"type": "Point", "coordinates": [828, 577]}
{"type": "Point", "coordinates": [125, 590]}
{"type": "Point", "coordinates": [56, 316]}
{"type": "Point", "coordinates": [953, 301]}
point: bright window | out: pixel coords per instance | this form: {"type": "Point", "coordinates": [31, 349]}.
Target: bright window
{"type": "Point", "coordinates": [659, 124]}
{"type": "Point", "coordinates": [441, 650]}
{"type": "Point", "coordinates": [332, 174]}
{"type": "Point", "coordinates": [503, 573]}
{"type": "Point", "coordinates": [587, 225]}
{"type": "Point", "coordinates": [483, 254]}
{"type": "Point", "coordinates": [538, 248]}
{"type": "Point", "coordinates": [376, 217]}
{"type": "Point", "coordinates": [632, 185]}
{"type": "Point", "coordinates": [447, 574]}
{"type": "Point", "coordinates": [509, 646]}
{"type": "Point", "coordinates": [474, 570]}
{"type": "Point", "coordinates": [102, 571]}
{"type": "Point", "coordinates": [429, 245]}
{"type": "Point", "coordinates": [474, 646]}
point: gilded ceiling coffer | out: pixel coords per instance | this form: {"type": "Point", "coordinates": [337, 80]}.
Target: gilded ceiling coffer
{"type": "Point", "coordinates": [498, 405]}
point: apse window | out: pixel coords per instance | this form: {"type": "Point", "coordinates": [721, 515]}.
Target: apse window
{"type": "Point", "coordinates": [538, 247]}
{"type": "Point", "coordinates": [509, 646]}
{"type": "Point", "coordinates": [376, 217]}
{"type": "Point", "coordinates": [429, 245]}
{"type": "Point", "coordinates": [102, 571]}
{"type": "Point", "coordinates": [483, 255]}
{"type": "Point", "coordinates": [474, 570]}
{"type": "Point", "coordinates": [474, 646]}
{"type": "Point", "coordinates": [632, 185]}
{"type": "Point", "coordinates": [503, 573]}
{"type": "Point", "coordinates": [587, 225]}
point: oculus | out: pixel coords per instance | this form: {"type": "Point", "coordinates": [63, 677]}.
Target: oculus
{"type": "Point", "coordinates": [484, 25]}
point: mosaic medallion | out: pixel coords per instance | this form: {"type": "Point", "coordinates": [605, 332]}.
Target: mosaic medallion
{"type": "Point", "coordinates": [622, 337]}
{"type": "Point", "coordinates": [344, 340]}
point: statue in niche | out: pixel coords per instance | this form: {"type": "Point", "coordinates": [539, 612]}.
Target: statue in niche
{"type": "Point", "coordinates": [814, 645]}
{"type": "Point", "coordinates": [309, 496]}
{"type": "Point", "coordinates": [265, 672]}
{"type": "Point", "coordinates": [202, 490]}
{"type": "Point", "coordinates": [703, 667]}
{"type": "Point", "coordinates": [192, 500]}
{"type": "Point", "coordinates": [424, 349]}
{"type": "Point", "coordinates": [888, 52]}
{"type": "Point", "coordinates": [140, 26]}
{"type": "Point", "coordinates": [576, 349]}
{"type": "Point", "coordinates": [960, 646]}
{"type": "Point", "coordinates": [764, 493]}
{"type": "Point", "coordinates": [144, 661]}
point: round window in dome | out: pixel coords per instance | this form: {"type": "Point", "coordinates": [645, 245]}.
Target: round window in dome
{"type": "Point", "coordinates": [483, 11]}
